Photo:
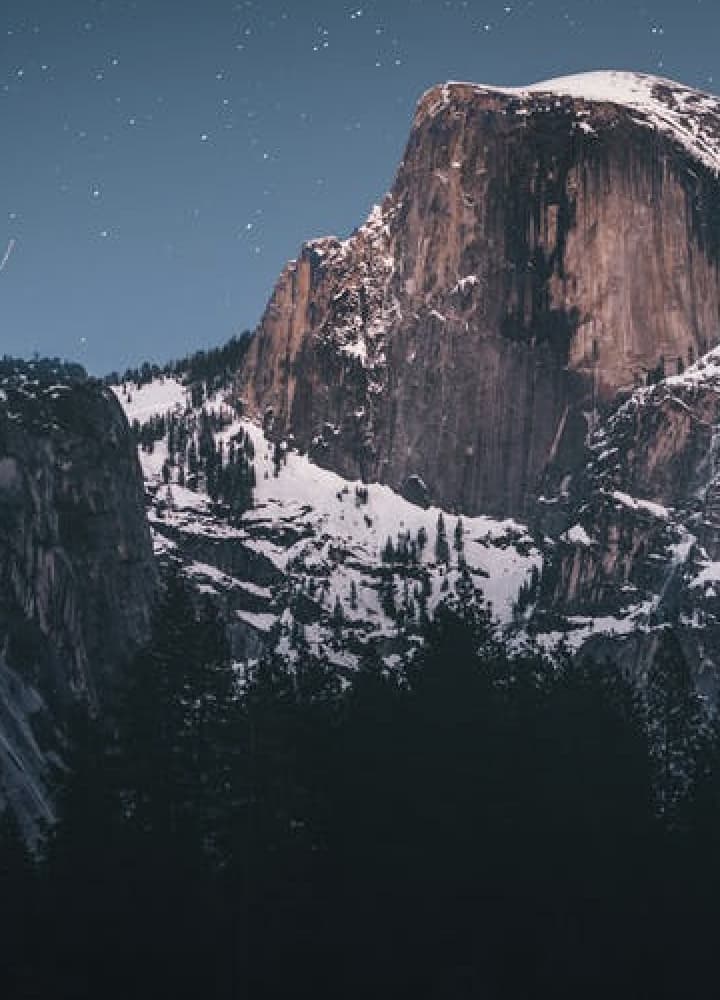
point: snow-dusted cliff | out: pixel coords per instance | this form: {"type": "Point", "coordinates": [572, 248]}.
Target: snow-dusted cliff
{"type": "Point", "coordinates": [314, 542]}
{"type": "Point", "coordinates": [639, 527]}
{"type": "Point", "coordinates": [540, 250]}
{"type": "Point", "coordinates": [629, 544]}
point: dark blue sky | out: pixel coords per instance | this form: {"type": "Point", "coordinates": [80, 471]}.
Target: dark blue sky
{"type": "Point", "coordinates": [162, 159]}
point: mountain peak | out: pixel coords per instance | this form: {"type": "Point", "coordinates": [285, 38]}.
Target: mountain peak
{"type": "Point", "coordinates": [691, 117]}
{"type": "Point", "coordinates": [550, 246]}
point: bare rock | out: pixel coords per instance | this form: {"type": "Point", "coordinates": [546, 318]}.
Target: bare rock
{"type": "Point", "coordinates": [538, 253]}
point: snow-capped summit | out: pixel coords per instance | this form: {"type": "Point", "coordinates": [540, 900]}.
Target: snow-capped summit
{"type": "Point", "coordinates": [691, 117]}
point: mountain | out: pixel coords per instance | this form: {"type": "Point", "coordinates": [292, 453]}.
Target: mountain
{"type": "Point", "coordinates": [541, 250]}
{"type": "Point", "coordinates": [77, 575]}
{"type": "Point", "coordinates": [638, 529]}
{"type": "Point", "coordinates": [499, 339]}
{"type": "Point", "coordinates": [627, 545]}
{"type": "Point", "coordinates": [475, 392]}
{"type": "Point", "coordinates": [318, 560]}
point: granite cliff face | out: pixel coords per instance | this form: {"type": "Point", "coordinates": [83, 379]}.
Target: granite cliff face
{"type": "Point", "coordinates": [77, 575]}
{"type": "Point", "coordinates": [540, 250]}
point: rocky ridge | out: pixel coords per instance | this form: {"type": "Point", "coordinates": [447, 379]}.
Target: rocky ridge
{"type": "Point", "coordinates": [77, 575]}
{"type": "Point", "coordinates": [638, 528]}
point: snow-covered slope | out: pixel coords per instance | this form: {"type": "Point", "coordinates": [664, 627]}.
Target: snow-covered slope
{"type": "Point", "coordinates": [631, 543]}
{"type": "Point", "coordinates": [315, 541]}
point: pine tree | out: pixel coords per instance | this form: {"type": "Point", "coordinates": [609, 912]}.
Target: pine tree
{"type": "Point", "coordinates": [19, 895]}
{"type": "Point", "coordinates": [192, 458]}
{"type": "Point", "coordinates": [442, 548]}
{"type": "Point", "coordinates": [277, 458]}
{"type": "Point", "coordinates": [422, 539]}
{"type": "Point", "coordinates": [388, 601]}
{"type": "Point", "coordinates": [458, 542]}
{"type": "Point", "coordinates": [176, 718]}
{"type": "Point", "coordinates": [388, 552]}
{"type": "Point", "coordinates": [338, 617]}
{"type": "Point", "coordinates": [677, 726]}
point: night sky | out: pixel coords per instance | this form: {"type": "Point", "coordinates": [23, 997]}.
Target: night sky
{"type": "Point", "coordinates": [162, 159]}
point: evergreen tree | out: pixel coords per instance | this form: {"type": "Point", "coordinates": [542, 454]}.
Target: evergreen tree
{"type": "Point", "coordinates": [388, 601]}
{"type": "Point", "coordinates": [388, 552]}
{"type": "Point", "coordinates": [422, 539]}
{"type": "Point", "coordinates": [338, 617]}
{"type": "Point", "coordinates": [192, 458]}
{"type": "Point", "coordinates": [175, 722]}
{"type": "Point", "coordinates": [22, 917]}
{"type": "Point", "coordinates": [677, 726]}
{"type": "Point", "coordinates": [458, 542]}
{"type": "Point", "coordinates": [277, 458]}
{"type": "Point", "coordinates": [442, 548]}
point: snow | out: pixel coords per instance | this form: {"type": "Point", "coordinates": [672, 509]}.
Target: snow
{"type": "Point", "coordinates": [469, 281]}
{"type": "Point", "coordinates": [690, 117]}
{"type": "Point", "coordinates": [584, 628]}
{"type": "Point", "coordinates": [325, 502]}
{"type": "Point", "coordinates": [310, 524]}
{"type": "Point", "coordinates": [258, 620]}
{"type": "Point", "coordinates": [656, 509]}
{"type": "Point", "coordinates": [151, 400]}
{"type": "Point", "coordinates": [680, 551]}
{"type": "Point", "coordinates": [204, 571]}
{"type": "Point", "coordinates": [708, 576]}
{"type": "Point", "coordinates": [578, 536]}
{"type": "Point", "coordinates": [705, 373]}
{"type": "Point", "coordinates": [357, 350]}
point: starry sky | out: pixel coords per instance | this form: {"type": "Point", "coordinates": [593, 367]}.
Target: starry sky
{"type": "Point", "coordinates": [162, 159]}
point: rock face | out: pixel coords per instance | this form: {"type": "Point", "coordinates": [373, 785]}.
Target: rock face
{"type": "Point", "coordinates": [539, 251]}
{"type": "Point", "coordinates": [77, 574]}
{"type": "Point", "coordinates": [640, 547]}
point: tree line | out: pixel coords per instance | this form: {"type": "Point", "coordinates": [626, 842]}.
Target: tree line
{"type": "Point", "coordinates": [211, 369]}
{"type": "Point", "coordinates": [471, 823]}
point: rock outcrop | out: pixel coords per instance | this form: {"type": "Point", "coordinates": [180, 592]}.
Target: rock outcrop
{"type": "Point", "coordinates": [77, 573]}
{"type": "Point", "coordinates": [540, 250]}
{"type": "Point", "coordinates": [638, 529]}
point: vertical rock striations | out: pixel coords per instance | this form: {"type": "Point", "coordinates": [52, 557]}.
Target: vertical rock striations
{"type": "Point", "coordinates": [539, 251]}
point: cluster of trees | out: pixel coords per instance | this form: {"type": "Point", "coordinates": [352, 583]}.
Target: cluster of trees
{"type": "Point", "coordinates": [407, 550]}
{"type": "Point", "coordinates": [406, 601]}
{"type": "Point", "coordinates": [39, 369]}
{"type": "Point", "coordinates": [208, 370]}
{"type": "Point", "coordinates": [230, 478]}
{"type": "Point", "coordinates": [467, 824]}
{"type": "Point", "coordinates": [150, 431]}
{"type": "Point", "coordinates": [217, 366]}
{"type": "Point", "coordinates": [226, 474]}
